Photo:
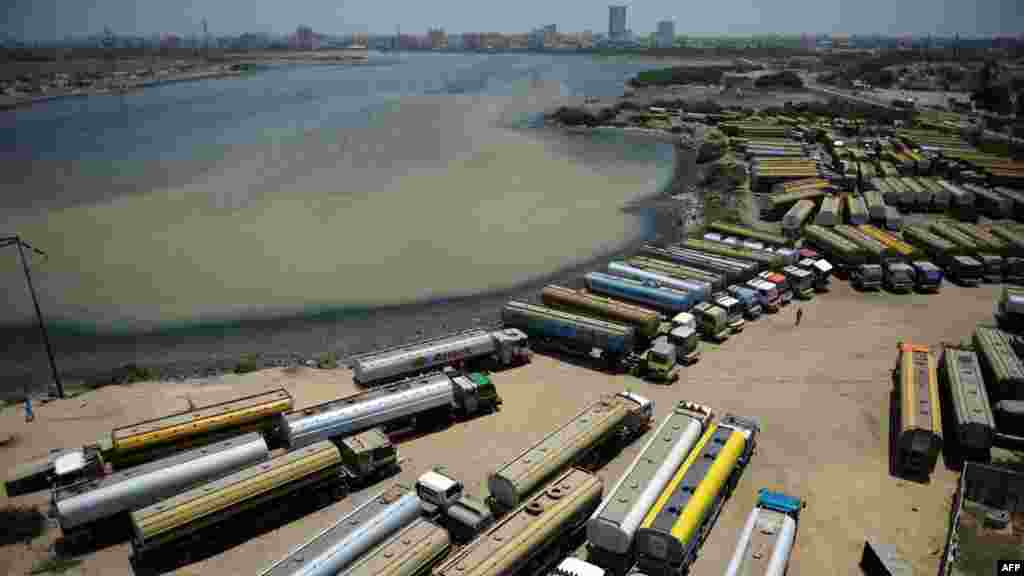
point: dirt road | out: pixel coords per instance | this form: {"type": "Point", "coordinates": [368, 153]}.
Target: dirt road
{"type": "Point", "coordinates": [820, 391]}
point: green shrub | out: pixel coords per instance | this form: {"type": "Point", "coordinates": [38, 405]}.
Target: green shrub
{"type": "Point", "coordinates": [54, 565]}
{"type": "Point", "coordinates": [328, 361]}
{"type": "Point", "coordinates": [127, 374]}
{"type": "Point", "coordinates": [784, 79]}
{"type": "Point", "coordinates": [248, 363]}
{"type": "Point", "coordinates": [681, 75]}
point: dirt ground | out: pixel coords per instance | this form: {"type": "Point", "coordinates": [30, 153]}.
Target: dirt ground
{"type": "Point", "coordinates": [820, 391]}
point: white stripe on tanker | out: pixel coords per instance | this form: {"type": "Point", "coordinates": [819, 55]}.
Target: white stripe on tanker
{"type": "Point", "coordinates": [509, 345]}
{"type": "Point", "coordinates": [337, 547]}
{"type": "Point", "coordinates": [615, 521]}
{"type": "Point", "coordinates": [774, 520]}
{"type": "Point", "coordinates": [379, 406]}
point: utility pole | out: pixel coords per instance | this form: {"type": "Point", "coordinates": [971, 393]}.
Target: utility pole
{"type": "Point", "coordinates": [22, 245]}
{"type": "Point", "coordinates": [206, 40]}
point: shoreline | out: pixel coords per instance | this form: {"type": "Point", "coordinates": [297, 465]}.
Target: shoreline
{"type": "Point", "coordinates": [224, 70]}
{"type": "Point", "coordinates": [13, 102]}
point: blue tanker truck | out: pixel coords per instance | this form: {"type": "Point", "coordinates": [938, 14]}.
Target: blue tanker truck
{"type": "Point", "coordinates": [659, 297]}
{"type": "Point", "coordinates": [701, 290]}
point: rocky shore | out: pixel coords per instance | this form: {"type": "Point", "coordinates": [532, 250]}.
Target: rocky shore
{"type": "Point", "coordinates": [92, 78]}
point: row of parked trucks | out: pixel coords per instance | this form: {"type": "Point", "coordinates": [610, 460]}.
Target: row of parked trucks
{"type": "Point", "coordinates": [875, 258]}
{"type": "Point", "coordinates": [647, 313]}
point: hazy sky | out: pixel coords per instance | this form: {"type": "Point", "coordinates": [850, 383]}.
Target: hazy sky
{"type": "Point", "coordinates": [49, 19]}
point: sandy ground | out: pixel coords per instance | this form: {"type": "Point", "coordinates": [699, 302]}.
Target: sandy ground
{"type": "Point", "coordinates": [820, 392]}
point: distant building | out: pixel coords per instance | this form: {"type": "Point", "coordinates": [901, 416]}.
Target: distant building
{"type": "Point", "coordinates": [616, 23]}
{"type": "Point", "coordinates": [666, 35]}
{"type": "Point", "coordinates": [438, 39]}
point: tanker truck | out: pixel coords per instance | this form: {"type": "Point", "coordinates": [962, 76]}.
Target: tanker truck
{"type": "Point", "coordinates": [733, 269]}
{"type": "Point", "coordinates": [748, 298]}
{"type": "Point", "coordinates": [658, 297]}
{"type": "Point", "coordinates": [571, 333]}
{"type": "Point", "coordinates": [712, 321]}
{"type": "Point", "coordinates": [733, 310]}
{"type": "Point", "coordinates": [646, 321]}
{"type": "Point", "coordinates": [685, 337]}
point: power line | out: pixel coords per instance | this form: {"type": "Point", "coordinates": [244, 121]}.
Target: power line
{"type": "Point", "coordinates": [22, 245]}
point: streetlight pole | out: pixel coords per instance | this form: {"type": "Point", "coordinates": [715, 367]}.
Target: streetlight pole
{"type": "Point", "coordinates": [21, 244]}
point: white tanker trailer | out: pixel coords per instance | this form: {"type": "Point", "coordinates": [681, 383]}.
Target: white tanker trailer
{"type": "Point", "coordinates": [464, 395]}
{"type": "Point", "coordinates": [504, 347]}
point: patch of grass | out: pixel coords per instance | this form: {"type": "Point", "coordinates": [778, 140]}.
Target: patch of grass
{"type": "Point", "coordinates": [54, 565]}
{"type": "Point", "coordinates": [20, 524]}
{"type": "Point", "coordinates": [328, 361]}
{"type": "Point", "coordinates": [248, 363]}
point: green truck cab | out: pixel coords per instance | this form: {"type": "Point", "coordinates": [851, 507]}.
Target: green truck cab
{"type": "Point", "coordinates": [712, 321]}
{"type": "Point", "coordinates": [368, 454]}
{"type": "Point", "coordinates": [659, 361]}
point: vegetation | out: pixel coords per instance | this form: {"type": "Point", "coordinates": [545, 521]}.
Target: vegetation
{"type": "Point", "coordinates": [55, 565]}
{"type": "Point", "coordinates": [682, 75]}
{"type": "Point", "coordinates": [872, 69]}
{"type": "Point", "coordinates": [328, 361]}
{"type": "Point", "coordinates": [20, 524]}
{"type": "Point", "coordinates": [123, 376]}
{"type": "Point", "coordinates": [785, 79]}
{"type": "Point", "coordinates": [248, 363]}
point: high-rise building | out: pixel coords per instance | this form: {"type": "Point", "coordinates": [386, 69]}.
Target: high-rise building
{"type": "Point", "coordinates": [666, 35]}
{"type": "Point", "coordinates": [616, 23]}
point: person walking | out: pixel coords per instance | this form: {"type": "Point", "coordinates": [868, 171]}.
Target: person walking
{"type": "Point", "coordinates": [799, 315]}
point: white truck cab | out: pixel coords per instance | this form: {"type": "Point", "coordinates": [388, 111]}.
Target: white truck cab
{"type": "Point", "coordinates": [437, 491]}
{"type": "Point", "coordinates": [684, 335]}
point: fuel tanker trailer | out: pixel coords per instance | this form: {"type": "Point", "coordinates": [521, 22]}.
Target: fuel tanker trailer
{"type": "Point", "coordinates": [535, 535]}
{"type": "Point", "coordinates": [571, 333]}
{"type": "Point", "coordinates": [103, 504]}
{"type": "Point", "coordinates": [733, 269]}
{"type": "Point", "coordinates": [717, 281]}
{"type": "Point", "coordinates": [353, 535]}
{"type": "Point", "coordinates": [568, 445]}
{"type": "Point", "coordinates": [771, 526]}
{"type": "Point", "coordinates": [646, 321]}
{"type": "Point", "coordinates": [670, 536]}
{"type": "Point", "coordinates": [610, 530]}
{"type": "Point", "coordinates": [661, 298]}
{"type": "Point", "coordinates": [503, 347]}
{"type": "Point", "coordinates": [178, 524]}
{"type": "Point", "coordinates": [411, 552]}
{"type": "Point", "coordinates": [440, 394]}
{"type": "Point", "coordinates": [702, 290]}
{"type": "Point", "coordinates": [152, 439]}
{"type": "Point", "coordinates": [766, 259]}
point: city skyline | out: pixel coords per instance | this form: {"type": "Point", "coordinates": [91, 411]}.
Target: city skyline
{"type": "Point", "coordinates": [43, 20]}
